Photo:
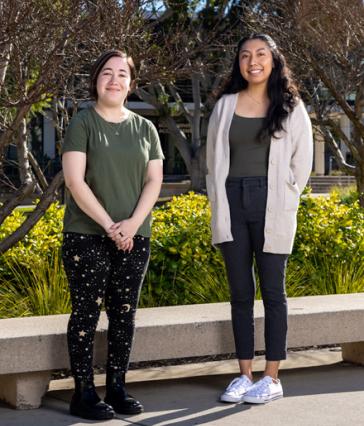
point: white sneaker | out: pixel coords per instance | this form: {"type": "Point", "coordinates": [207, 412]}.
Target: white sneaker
{"type": "Point", "coordinates": [265, 390]}
{"type": "Point", "coordinates": [236, 390]}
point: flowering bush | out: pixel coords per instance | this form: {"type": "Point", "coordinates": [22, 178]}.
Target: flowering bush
{"type": "Point", "coordinates": [185, 268]}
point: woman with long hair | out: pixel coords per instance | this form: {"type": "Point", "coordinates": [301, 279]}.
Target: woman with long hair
{"type": "Point", "coordinates": [259, 158]}
{"type": "Point", "coordinates": [112, 163]}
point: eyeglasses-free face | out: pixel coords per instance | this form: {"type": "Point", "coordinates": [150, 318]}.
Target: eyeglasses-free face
{"type": "Point", "coordinates": [255, 61]}
{"type": "Point", "coordinates": [113, 82]}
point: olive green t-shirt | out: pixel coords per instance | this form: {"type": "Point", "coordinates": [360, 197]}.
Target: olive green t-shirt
{"type": "Point", "coordinates": [117, 159]}
{"type": "Point", "coordinates": [248, 156]}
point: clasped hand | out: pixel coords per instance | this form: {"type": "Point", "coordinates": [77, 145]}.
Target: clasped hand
{"type": "Point", "coordinates": [122, 233]}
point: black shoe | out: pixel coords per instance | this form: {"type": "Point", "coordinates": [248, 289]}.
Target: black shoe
{"type": "Point", "coordinates": [86, 403]}
{"type": "Point", "coordinates": [117, 397]}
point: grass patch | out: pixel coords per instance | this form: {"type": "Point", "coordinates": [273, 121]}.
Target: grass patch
{"type": "Point", "coordinates": [41, 289]}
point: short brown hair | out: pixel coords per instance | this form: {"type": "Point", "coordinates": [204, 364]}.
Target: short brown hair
{"type": "Point", "coordinates": [101, 61]}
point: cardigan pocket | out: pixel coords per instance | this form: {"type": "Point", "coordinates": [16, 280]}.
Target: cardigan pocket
{"type": "Point", "coordinates": [291, 196]}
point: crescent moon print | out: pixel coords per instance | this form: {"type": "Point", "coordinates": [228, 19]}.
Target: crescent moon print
{"type": "Point", "coordinates": [126, 307]}
{"type": "Point", "coordinates": [87, 260]}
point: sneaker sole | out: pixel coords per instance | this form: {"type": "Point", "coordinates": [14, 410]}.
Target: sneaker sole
{"type": "Point", "coordinates": [254, 400]}
{"type": "Point", "coordinates": [230, 400]}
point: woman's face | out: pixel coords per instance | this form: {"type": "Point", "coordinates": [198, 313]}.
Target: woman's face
{"type": "Point", "coordinates": [113, 82]}
{"type": "Point", "coordinates": [256, 61]}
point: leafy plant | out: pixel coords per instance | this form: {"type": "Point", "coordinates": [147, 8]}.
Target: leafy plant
{"type": "Point", "coordinates": [39, 243]}
{"type": "Point", "coordinates": [205, 285]}
{"type": "Point", "coordinates": [39, 290]}
{"type": "Point", "coordinates": [328, 276]}
{"type": "Point", "coordinates": [348, 194]}
{"type": "Point", "coordinates": [329, 228]}
{"type": "Point", "coordinates": [184, 267]}
{"type": "Point", "coordinates": [180, 246]}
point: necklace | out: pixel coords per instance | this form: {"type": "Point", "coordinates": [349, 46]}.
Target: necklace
{"type": "Point", "coordinates": [111, 125]}
{"type": "Point", "coordinates": [123, 118]}
{"type": "Point", "coordinates": [251, 97]}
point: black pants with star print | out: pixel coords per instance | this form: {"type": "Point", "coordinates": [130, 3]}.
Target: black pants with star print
{"type": "Point", "coordinates": [97, 271]}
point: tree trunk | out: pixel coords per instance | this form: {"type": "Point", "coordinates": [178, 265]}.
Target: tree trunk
{"type": "Point", "coordinates": [22, 153]}
{"type": "Point", "coordinates": [359, 176]}
{"type": "Point", "coordinates": [2, 161]}
{"type": "Point", "coordinates": [198, 170]}
{"type": "Point", "coordinates": [4, 63]}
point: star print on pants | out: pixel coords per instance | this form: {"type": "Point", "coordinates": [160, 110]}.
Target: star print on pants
{"type": "Point", "coordinates": [89, 261]}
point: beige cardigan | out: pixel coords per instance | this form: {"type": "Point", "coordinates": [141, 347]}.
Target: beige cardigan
{"type": "Point", "coordinates": [289, 167]}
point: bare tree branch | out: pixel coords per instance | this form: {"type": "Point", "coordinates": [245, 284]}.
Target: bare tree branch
{"type": "Point", "coordinates": [323, 41]}
{"type": "Point", "coordinates": [37, 171]}
{"type": "Point", "coordinates": [24, 191]}
{"type": "Point", "coordinates": [339, 98]}
{"type": "Point", "coordinates": [48, 197]}
{"type": "Point", "coordinates": [180, 103]}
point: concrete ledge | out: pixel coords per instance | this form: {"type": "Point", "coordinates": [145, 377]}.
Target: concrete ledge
{"type": "Point", "coordinates": [174, 188]}
{"type": "Point", "coordinates": [39, 344]}
{"type": "Point", "coordinates": [299, 359]}
{"type": "Point", "coordinates": [24, 391]}
{"type": "Point", "coordinates": [353, 352]}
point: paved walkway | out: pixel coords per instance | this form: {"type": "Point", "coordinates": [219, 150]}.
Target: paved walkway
{"type": "Point", "coordinates": [331, 394]}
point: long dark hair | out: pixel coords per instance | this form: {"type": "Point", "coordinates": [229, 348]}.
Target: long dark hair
{"type": "Point", "coordinates": [282, 91]}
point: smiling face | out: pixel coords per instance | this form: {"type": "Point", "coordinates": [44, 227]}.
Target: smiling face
{"type": "Point", "coordinates": [113, 82]}
{"type": "Point", "coordinates": [255, 61]}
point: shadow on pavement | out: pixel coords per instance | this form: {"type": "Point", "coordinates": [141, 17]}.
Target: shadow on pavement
{"type": "Point", "coordinates": [193, 401]}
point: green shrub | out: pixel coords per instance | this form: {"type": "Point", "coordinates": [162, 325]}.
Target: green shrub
{"type": "Point", "coordinates": [329, 228]}
{"type": "Point", "coordinates": [40, 243]}
{"type": "Point", "coordinates": [180, 247]}
{"type": "Point", "coordinates": [184, 267]}
{"type": "Point", "coordinates": [348, 194]}
{"type": "Point", "coordinates": [315, 277]}
{"type": "Point", "coordinates": [37, 289]}
{"type": "Point", "coordinates": [205, 285]}
{"type": "Point", "coordinates": [329, 247]}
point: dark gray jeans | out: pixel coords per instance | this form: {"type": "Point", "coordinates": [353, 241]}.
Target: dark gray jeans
{"type": "Point", "coordinates": [247, 200]}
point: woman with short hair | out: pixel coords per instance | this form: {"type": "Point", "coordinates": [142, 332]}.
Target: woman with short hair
{"type": "Point", "coordinates": [112, 163]}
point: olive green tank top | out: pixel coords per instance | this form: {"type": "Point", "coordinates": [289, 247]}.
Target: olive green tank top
{"type": "Point", "coordinates": [248, 156]}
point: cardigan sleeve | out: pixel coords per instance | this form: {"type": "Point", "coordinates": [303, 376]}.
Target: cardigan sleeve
{"type": "Point", "coordinates": [211, 141]}
{"type": "Point", "coordinates": [302, 141]}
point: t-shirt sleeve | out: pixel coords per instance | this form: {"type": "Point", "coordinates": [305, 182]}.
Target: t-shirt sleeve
{"type": "Point", "coordinates": [155, 152]}
{"type": "Point", "coordinates": [75, 138]}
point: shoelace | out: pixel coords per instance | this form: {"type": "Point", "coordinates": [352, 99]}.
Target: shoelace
{"type": "Point", "coordinates": [262, 384]}
{"type": "Point", "coordinates": [237, 383]}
